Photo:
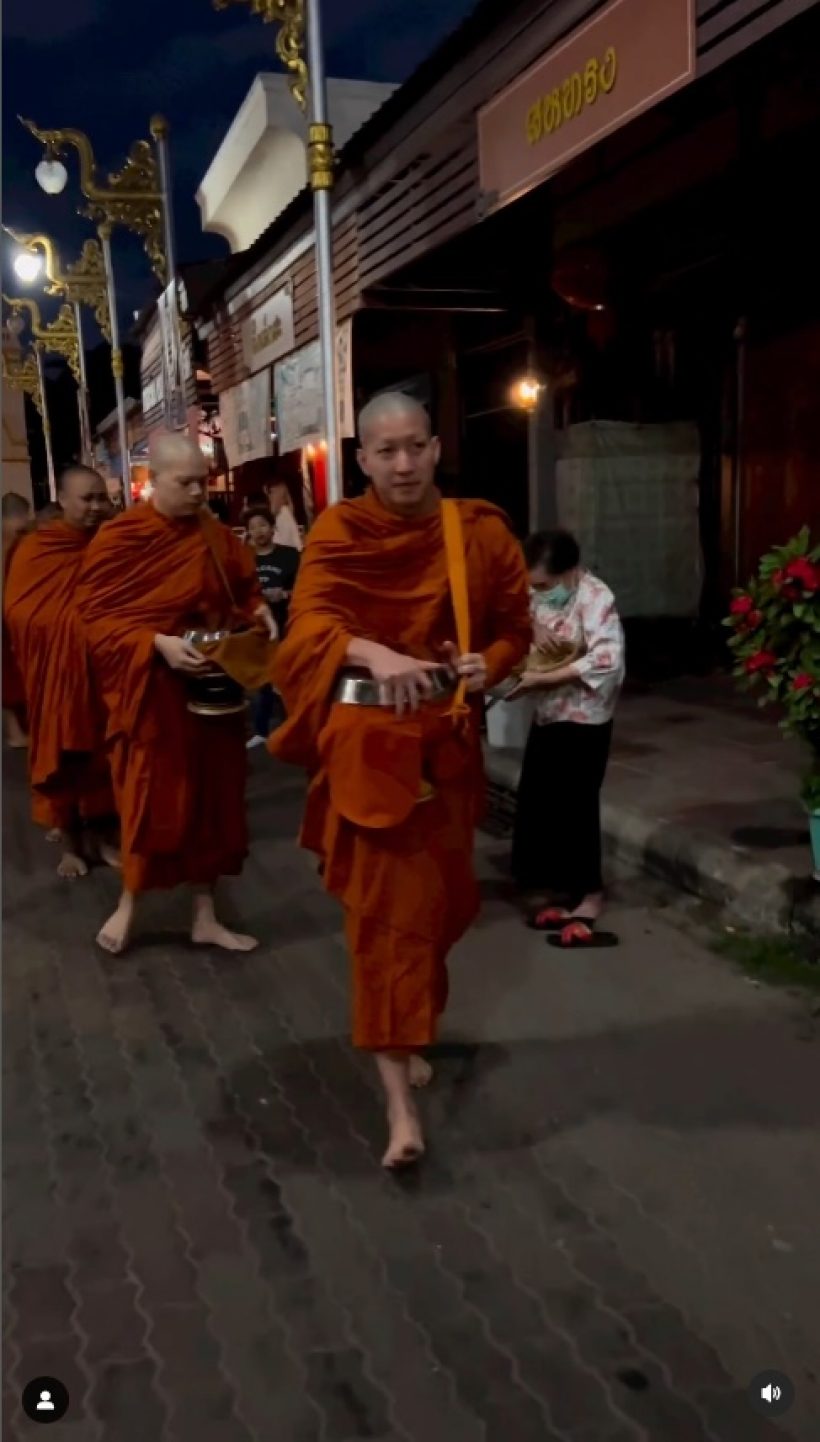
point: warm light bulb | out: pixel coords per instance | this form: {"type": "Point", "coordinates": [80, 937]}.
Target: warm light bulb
{"type": "Point", "coordinates": [323, 445]}
{"type": "Point", "coordinates": [526, 392]}
{"type": "Point", "coordinates": [310, 452]}
{"type": "Point", "coordinates": [51, 176]}
{"type": "Point", "coordinates": [27, 266]}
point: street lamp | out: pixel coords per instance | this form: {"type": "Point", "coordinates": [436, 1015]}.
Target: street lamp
{"type": "Point", "coordinates": [293, 18]}
{"type": "Point", "coordinates": [24, 372]}
{"type": "Point", "coordinates": [137, 197]}
{"type": "Point", "coordinates": [27, 266]}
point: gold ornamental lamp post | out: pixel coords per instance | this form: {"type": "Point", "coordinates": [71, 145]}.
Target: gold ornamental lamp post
{"type": "Point", "coordinates": [298, 19]}
{"type": "Point", "coordinates": [23, 371]}
{"type": "Point", "coordinates": [59, 336]}
{"type": "Point", "coordinates": [137, 198]}
{"type": "Point", "coordinates": [82, 283]}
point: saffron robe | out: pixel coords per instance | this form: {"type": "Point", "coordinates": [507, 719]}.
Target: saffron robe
{"type": "Point", "coordinates": [179, 778]}
{"type": "Point", "coordinates": [68, 769]}
{"type": "Point", "coordinates": [13, 692]}
{"type": "Point", "coordinates": [403, 869]}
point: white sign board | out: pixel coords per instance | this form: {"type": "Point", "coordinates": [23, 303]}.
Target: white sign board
{"type": "Point", "coordinates": [299, 393]}
{"type": "Point", "coordinates": [267, 334]}
{"type": "Point", "coordinates": [245, 417]}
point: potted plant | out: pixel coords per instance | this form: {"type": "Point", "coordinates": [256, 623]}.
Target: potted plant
{"type": "Point", "coordinates": [775, 624]}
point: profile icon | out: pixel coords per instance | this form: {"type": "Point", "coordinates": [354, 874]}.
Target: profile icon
{"type": "Point", "coordinates": [45, 1399]}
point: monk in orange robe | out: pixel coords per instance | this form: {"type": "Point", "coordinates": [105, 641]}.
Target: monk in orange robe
{"type": "Point", "coordinates": [396, 789]}
{"type": "Point", "coordinates": [16, 516]}
{"type": "Point", "coordinates": [68, 769]}
{"type": "Point", "coordinates": [155, 572]}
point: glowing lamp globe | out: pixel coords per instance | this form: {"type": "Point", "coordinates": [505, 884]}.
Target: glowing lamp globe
{"type": "Point", "coordinates": [51, 176]}
{"type": "Point", "coordinates": [526, 393]}
{"type": "Point", "coordinates": [27, 266]}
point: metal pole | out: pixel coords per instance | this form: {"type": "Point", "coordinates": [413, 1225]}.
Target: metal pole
{"type": "Point", "coordinates": [82, 391]}
{"type": "Point", "coordinates": [741, 333]}
{"type": "Point", "coordinates": [41, 376]}
{"type": "Point", "coordinates": [320, 157]}
{"type": "Point", "coordinates": [159, 130]}
{"type": "Point", "coordinates": [116, 361]}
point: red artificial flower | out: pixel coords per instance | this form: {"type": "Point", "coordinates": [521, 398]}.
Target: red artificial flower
{"type": "Point", "coordinates": [753, 620]}
{"type": "Point", "coordinates": [803, 682]}
{"type": "Point", "coordinates": [741, 605]}
{"type": "Point", "coordinates": [804, 571]}
{"type": "Point", "coordinates": [761, 661]}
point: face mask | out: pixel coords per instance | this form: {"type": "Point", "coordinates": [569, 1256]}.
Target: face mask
{"type": "Point", "coordinates": [555, 599]}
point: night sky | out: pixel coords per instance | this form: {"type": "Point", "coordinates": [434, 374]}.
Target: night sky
{"type": "Point", "coordinates": [104, 66]}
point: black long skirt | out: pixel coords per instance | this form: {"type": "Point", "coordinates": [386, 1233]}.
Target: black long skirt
{"type": "Point", "coordinates": [557, 838]}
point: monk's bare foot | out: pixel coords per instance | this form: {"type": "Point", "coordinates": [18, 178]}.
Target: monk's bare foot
{"type": "Point", "coordinates": [116, 933]}
{"type": "Point", "coordinates": [54, 835]}
{"type": "Point", "coordinates": [406, 1144]}
{"type": "Point", "coordinates": [211, 933]}
{"type": "Point", "coordinates": [421, 1072]}
{"type": "Point", "coordinates": [71, 866]}
{"type": "Point", "coordinates": [110, 856]}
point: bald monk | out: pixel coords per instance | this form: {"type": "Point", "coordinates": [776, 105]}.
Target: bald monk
{"type": "Point", "coordinates": [179, 778]}
{"type": "Point", "coordinates": [395, 790]}
{"type": "Point", "coordinates": [68, 770]}
{"type": "Point", "coordinates": [16, 517]}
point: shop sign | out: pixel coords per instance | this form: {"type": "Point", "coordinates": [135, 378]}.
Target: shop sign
{"type": "Point", "coordinates": [152, 394]}
{"type": "Point", "coordinates": [299, 393]}
{"type": "Point", "coordinates": [245, 418]}
{"type": "Point", "coordinates": [631, 55]}
{"type": "Point", "coordinates": [267, 334]}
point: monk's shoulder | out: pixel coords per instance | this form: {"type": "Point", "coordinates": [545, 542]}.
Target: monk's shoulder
{"type": "Point", "coordinates": [341, 522]}
{"type": "Point", "coordinates": [489, 522]}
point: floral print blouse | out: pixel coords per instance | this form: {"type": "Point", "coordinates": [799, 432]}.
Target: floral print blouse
{"type": "Point", "coordinates": [589, 622]}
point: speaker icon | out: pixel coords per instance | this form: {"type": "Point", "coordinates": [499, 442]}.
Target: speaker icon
{"type": "Point", "coordinates": [771, 1393]}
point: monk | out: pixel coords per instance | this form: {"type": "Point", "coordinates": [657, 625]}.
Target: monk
{"type": "Point", "coordinates": [68, 769]}
{"type": "Point", "coordinates": [156, 571]}
{"type": "Point", "coordinates": [16, 516]}
{"type": "Point", "coordinates": [395, 793]}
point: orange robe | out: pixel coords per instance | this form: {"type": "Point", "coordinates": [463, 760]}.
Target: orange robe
{"type": "Point", "coordinates": [403, 869]}
{"type": "Point", "coordinates": [68, 770]}
{"type": "Point", "coordinates": [179, 778]}
{"type": "Point", "coordinates": [13, 693]}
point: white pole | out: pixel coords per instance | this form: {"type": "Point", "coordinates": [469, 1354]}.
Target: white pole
{"type": "Point", "coordinates": [320, 151]}
{"type": "Point", "coordinates": [116, 361]}
{"type": "Point", "coordinates": [82, 391]}
{"type": "Point", "coordinates": [177, 407]}
{"type": "Point", "coordinates": [41, 376]}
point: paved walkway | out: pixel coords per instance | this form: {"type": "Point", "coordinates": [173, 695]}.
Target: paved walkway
{"type": "Point", "coordinates": [615, 1230]}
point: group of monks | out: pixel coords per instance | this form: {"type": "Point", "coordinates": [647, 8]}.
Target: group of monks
{"type": "Point", "coordinates": [394, 586]}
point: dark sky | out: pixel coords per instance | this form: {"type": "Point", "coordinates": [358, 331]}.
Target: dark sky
{"type": "Point", "coordinates": [105, 66]}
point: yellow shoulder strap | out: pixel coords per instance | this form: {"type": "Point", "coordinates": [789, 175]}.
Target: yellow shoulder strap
{"type": "Point", "coordinates": [457, 575]}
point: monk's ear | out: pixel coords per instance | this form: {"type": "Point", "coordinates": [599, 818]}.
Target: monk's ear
{"type": "Point", "coordinates": [360, 457]}
{"type": "Point", "coordinates": [436, 444]}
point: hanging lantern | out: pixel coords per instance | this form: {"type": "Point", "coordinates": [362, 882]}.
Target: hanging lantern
{"type": "Point", "coordinates": [581, 279]}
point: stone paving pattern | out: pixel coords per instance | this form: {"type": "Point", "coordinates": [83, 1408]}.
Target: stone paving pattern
{"type": "Point", "coordinates": [614, 1231]}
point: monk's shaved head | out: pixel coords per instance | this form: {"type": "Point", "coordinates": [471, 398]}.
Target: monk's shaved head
{"type": "Point", "coordinates": [16, 514]}
{"type": "Point", "coordinates": [84, 499]}
{"type": "Point", "coordinates": [13, 504]}
{"type": "Point", "coordinates": [391, 404]}
{"type": "Point", "coordinates": [399, 453]}
{"type": "Point", "coordinates": [180, 475]}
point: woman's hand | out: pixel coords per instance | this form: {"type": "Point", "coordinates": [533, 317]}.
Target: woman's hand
{"type": "Point", "coordinates": [408, 679]}
{"type": "Point", "coordinates": [179, 654]}
{"type": "Point", "coordinates": [471, 667]}
{"type": "Point", "coordinates": [527, 682]}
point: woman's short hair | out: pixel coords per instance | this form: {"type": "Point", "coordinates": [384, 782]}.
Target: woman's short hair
{"type": "Point", "coordinates": [555, 552]}
{"type": "Point", "coordinates": [262, 513]}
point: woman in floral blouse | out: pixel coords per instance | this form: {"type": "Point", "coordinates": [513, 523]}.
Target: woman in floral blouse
{"type": "Point", "coordinates": [575, 672]}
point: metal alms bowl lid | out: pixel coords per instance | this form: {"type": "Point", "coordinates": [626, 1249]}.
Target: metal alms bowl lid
{"type": "Point", "coordinates": [206, 638]}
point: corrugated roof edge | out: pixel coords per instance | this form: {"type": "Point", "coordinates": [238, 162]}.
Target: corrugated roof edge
{"type": "Point", "coordinates": [472, 29]}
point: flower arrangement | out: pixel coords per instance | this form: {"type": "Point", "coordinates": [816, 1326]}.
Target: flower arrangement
{"type": "Point", "coordinates": [775, 624]}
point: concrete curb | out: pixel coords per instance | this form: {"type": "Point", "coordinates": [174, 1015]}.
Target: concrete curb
{"type": "Point", "coordinates": [763, 897]}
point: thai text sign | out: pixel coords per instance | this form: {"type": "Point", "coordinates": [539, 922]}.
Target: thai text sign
{"type": "Point", "coordinates": [620, 63]}
{"type": "Point", "coordinates": [267, 334]}
{"type": "Point", "coordinates": [300, 394]}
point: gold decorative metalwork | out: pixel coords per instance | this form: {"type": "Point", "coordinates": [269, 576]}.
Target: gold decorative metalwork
{"type": "Point", "coordinates": [83, 282]}
{"type": "Point", "coordinates": [23, 374]}
{"type": "Point", "coordinates": [321, 157]}
{"type": "Point", "coordinates": [59, 335]}
{"type": "Point", "coordinates": [133, 197]}
{"type": "Point", "coordinates": [289, 15]}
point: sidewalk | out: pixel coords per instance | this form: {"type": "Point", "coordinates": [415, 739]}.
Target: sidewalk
{"type": "Point", "coordinates": [703, 790]}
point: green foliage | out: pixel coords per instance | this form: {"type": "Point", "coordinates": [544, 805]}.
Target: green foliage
{"type": "Point", "coordinates": [775, 624]}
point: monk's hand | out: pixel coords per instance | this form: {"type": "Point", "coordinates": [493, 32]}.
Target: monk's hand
{"type": "Point", "coordinates": [471, 667]}
{"type": "Point", "coordinates": [264, 616]}
{"type": "Point", "coordinates": [408, 679]}
{"type": "Point", "coordinates": [179, 654]}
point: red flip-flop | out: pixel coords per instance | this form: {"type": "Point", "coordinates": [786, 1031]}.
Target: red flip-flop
{"type": "Point", "coordinates": [551, 918]}
{"type": "Point", "coordinates": [579, 934]}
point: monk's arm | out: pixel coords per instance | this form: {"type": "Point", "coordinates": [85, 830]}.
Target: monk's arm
{"type": "Point", "coordinates": [509, 622]}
